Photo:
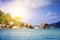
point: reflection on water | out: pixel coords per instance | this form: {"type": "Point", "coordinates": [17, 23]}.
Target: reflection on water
{"type": "Point", "coordinates": [30, 34]}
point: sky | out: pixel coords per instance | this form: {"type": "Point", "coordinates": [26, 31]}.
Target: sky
{"type": "Point", "coordinates": [33, 11]}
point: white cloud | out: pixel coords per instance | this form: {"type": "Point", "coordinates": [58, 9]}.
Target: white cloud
{"type": "Point", "coordinates": [35, 3]}
{"type": "Point", "coordinates": [25, 4]}
{"type": "Point", "coordinates": [29, 3]}
{"type": "Point", "coordinates": [50, 15]}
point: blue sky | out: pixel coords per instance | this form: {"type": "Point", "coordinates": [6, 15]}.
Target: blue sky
{"type": "Point", "coordinates": [38, 10]}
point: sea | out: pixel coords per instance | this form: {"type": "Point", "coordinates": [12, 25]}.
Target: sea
{"type": "Point", "coordinates": [30, 34]}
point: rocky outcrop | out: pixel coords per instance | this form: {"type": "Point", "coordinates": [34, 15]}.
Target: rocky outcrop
{"type": "Point", "coordinates": [28, 26]}
{"type": "Point", "coordinates": [44, 25]}
{"type": "Point", "coordinates": [31, 27]}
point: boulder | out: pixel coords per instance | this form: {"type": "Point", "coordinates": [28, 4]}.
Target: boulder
{"type": "Point", "coordinates": [44, 25]}
{"type": "Point", "coordinates": [31, 27]}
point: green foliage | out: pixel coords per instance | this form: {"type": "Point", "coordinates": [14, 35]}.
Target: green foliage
{"type": "Point", "coordinates": [1, 17]}
{"type": "Point", "coordinates": [6, 18]}
{"type": "Point", "coordinates": [1, 13]}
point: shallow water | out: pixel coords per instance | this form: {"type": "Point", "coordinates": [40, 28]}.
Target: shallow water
{"type": "Point", "coordinates": [30, 34]}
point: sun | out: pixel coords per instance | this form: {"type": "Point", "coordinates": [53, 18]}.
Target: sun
{"type": "Point", "coordinates": [20, 12]}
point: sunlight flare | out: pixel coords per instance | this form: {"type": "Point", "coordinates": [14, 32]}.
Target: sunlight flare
{"type": "Point", "coordinates": [19, 11]}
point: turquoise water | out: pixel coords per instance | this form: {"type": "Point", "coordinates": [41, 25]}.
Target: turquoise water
{"type": "Point", "coordinates": [30, 34]}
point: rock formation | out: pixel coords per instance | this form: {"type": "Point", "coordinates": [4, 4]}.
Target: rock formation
{"type": "Point", "coordinates": [44, 25]}
{"type": "Point", "coordinates": [31, 27]}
